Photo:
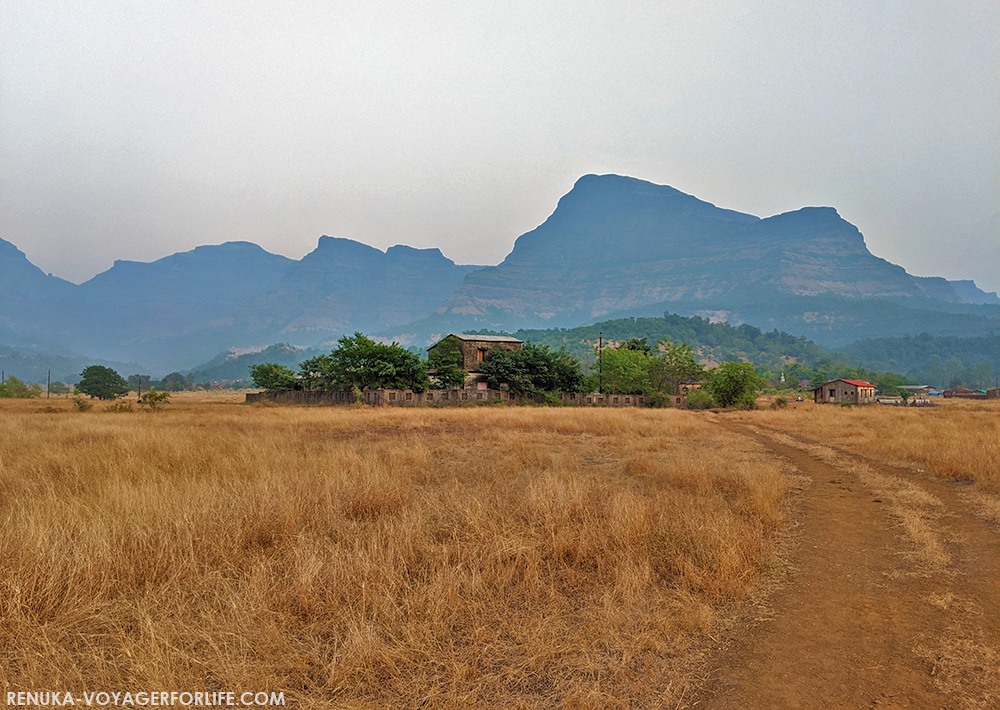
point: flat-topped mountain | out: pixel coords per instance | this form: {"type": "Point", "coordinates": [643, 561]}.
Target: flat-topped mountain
{"type": "Point", "coordinates": [614, 246]}
{"type": "Point", "coordinates": [615, 243]}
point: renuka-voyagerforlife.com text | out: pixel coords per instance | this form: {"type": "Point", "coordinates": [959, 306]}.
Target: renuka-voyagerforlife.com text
{"type": "Point", "coordinates": [145, 698]}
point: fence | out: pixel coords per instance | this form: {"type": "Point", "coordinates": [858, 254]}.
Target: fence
{"type": "Point", "coordinates": [440, 398]}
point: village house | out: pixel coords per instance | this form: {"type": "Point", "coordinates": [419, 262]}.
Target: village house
{"type": "Point", "coordinates": [474, 349]}
{"type": "Point", "coordinates": [844, 392]}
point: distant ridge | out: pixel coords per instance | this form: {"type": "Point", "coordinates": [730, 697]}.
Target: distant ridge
{"type": "Point", "coordinates": [614, 246]}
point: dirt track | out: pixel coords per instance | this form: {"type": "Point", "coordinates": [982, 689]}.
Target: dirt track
{"type": "Point", "coordinates": [892, 599]}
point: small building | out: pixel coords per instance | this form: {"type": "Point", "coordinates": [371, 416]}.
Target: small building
{"type": "Point", "coordinates": [844, 392]}
{"type": "Point", "coordinates": [474, 349]}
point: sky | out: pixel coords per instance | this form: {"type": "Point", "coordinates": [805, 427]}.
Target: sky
{"type": "Point", "coordinates": [136, 129]}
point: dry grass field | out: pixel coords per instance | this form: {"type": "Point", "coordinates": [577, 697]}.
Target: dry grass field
{"type": "Point", "coordinates": [485, 557]}
{"type": "Point", "coordinates": [956, 439]}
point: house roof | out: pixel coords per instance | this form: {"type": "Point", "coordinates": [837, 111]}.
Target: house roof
{"type": "Point", "coordinates": [485, 338]}
{"type": "Point", "coordinates": [479, 339]}
{"type": "Point", "coordinates": [856, 383]}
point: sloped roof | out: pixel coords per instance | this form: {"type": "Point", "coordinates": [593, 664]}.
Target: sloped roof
{"type": "Point", "coordinates": [478, 339]}
{"type": "Point", "coordinates": [485, 338]}
{"type": "Point", "coordinates": [856, 383]}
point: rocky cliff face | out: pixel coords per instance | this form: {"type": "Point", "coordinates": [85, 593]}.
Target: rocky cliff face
{"type": "Point", "coordinates": [344, 286]}
{"type": "Point", "coordinates": [183, 309]}
{"type": "Point", "coordinates": [616, 243]}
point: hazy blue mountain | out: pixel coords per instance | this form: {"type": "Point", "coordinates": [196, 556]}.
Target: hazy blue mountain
{"type": "Point", "coordinates": [235, 366]}
{"type": "Point", "coordinates": [343, 286]}
{"type": "Point", "coordinates": [970, 293]}
{"type": "Point", "coordinates": [614, 246]}
{"type": "Point", "coordinates": [619, 246]}
{"type": "Point", "coordinates": [30, 365]}
{"type": "Point", "coordinates": [178, 311]}
{"type": "Point", "coordinates": [30, 300]}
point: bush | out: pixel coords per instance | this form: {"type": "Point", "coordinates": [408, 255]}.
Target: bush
{"type": "Point", "coordinates": [154, 399]}
{"type": "Point", "coordinates": [81, 404]}
{"type": "Point", "coordinates": [658, 399]}
{"type": "Point", "coordinates": [17, 389]}
{"type": "Point", "coordinates": [779, 403]}
{"type": "Point", "coordinates": [700, 399]}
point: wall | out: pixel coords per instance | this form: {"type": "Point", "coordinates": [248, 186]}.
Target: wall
{"type": "Point", "coordinates": [438, 398]}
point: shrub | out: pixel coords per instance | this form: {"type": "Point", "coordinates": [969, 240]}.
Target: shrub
{"type": "Point", "coordinates": [700, 399]}
{"type": "Point", "coordinates": [779, 403]}
{"type": "Point", "coordinates": [658, 399]}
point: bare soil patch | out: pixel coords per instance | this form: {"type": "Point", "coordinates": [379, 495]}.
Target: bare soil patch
{"type": "Point", "coordinates": [892, 600]}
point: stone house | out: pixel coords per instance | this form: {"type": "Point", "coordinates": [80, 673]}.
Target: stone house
{"type": "Point", "coordinates": [474, 349]}
{"type": "Point", "coordinates": [844, 391]}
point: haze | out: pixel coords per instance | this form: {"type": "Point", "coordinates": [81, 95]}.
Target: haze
{"type": "Point", "coordinates": [132, 130]}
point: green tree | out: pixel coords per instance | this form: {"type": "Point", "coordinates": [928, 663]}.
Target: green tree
{"type": "Point", "coordinates": [16, 389]}
{"type": "Point", "coordinates": [102, 382]}
{"type": "Point", "coordinates": [273, 377]}
{"type": "Point", "coordinates": [174, 382]}
{"type": "Point", "coordinates": [533, 369]}
{"type": "Point", "coordinates": [155, 399]}
{"type": "Point", "coordinates": [639, 345]}
{"type": "Point", "coordinates": [673, 365]}
{"type": "Point", "coordinates": [734, 384]}
{"type": "Point", "coordinates": [59, 388]}
{"type": "Point", "coordinates": [446, 360]}
{"type": "Point", "coordinates": [625, 371]}
{"type": "Point", "coordinates": [139, 382]}
{"type": "Point", "coordinates": [360, 362]}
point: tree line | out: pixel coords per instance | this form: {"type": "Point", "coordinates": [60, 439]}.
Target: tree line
{"type": "Point", "coordinates": [632, 367]}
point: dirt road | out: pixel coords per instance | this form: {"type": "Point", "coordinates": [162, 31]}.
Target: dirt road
{"type": "Point", "coordinates": [892, 600]}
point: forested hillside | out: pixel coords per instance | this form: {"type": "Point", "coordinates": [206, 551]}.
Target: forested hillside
{"type": "Point", "coordinates": [713, 342]}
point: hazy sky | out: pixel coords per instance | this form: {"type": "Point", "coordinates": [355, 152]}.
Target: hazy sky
{"type": "Point", "coordinates": [132, 130]}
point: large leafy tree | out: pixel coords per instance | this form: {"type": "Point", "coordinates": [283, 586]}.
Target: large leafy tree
{"type": "Point", "coordinates": [672, 365]}
{"type": "Point", "coordinates": [533, 369]}
{"type": "Point", "coordinates": [445, 359]}
{"type": "Point", "coordinates": [360, 362]}
{"type": "Point", "coordinates": [273, 377]}
{"type": "Point", "coordinates": [102, 382]}
{"type": "Point", "coordinates": [734, 384]}
{"type": "Point", "coordinates": [625, 370]}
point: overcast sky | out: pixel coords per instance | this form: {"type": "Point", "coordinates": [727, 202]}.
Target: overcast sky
{"type": "Point", "coordinates": [132, 130]}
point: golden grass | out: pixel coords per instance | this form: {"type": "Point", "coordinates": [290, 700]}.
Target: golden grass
{"type": "Point", "coordinates": [956, 439]}
{"type": "Point", "coordinates": [494, 557]}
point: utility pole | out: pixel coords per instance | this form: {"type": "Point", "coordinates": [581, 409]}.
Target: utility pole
{"type": "Point", "coordinates": [48, 385]}
{"type": "Point", "coordinates": [600, 369]}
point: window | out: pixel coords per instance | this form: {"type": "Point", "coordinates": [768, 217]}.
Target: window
{"type": "Point", "coordinates": [409, 396]}
{"type": "Point", "coordinates": [481, 355]}
{"type": "Point", "coordinates": [833, 394]}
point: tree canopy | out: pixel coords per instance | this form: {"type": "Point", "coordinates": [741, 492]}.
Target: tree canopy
{"type": "Point", "coordinates": [273, 377]}
{"type": "Point", "coordinates": [16, 389]}
{"type": "Point", "coordinates": [734, 384]}
{"type": "Point", "coordinates": [446, 359]}
{"type": "Point", "coordinates": [361, 362]}
{"type": "Point", "coordinates": [102, 382]}
{"type": "Point", "coordinates": [533, 369]}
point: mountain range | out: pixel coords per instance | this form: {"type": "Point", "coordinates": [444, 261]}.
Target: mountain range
{"type": "Point", "coordinates": [614, 246]}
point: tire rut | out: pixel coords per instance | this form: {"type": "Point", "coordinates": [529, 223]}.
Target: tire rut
{"type": "Point", "coordinates": [867, 619]}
